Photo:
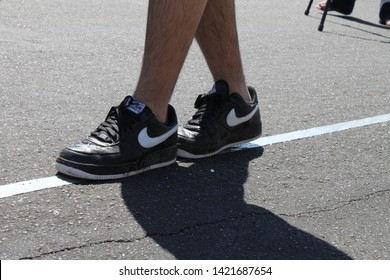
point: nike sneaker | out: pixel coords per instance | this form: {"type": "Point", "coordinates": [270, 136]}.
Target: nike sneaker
{"type": "Point", "coordinates": [130, 140]}
{"type": "Point", "coordinates": [222, 121]}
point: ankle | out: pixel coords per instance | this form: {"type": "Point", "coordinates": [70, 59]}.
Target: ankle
{"type": "Point", "coordinates": [161, 115]}
{"type": "Point", "coordinates": [241, 90]}
{"type": "Point", "coordinates": [155, 101]}
{"type": "Point", "coordinates": [160, 112]}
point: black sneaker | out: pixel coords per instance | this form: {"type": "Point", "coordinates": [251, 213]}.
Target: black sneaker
{"type": "Point", "coordinates": [131, 140]}
{"type": "Point", "coordinates": [222, 121]}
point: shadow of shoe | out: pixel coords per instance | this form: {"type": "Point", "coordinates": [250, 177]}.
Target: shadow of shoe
{"type": "Point", "coordinates": [196, 210]}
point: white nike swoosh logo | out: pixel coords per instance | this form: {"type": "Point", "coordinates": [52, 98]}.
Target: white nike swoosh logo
{"type": "Point", "coordinates": [149, 142]}
{"type": "Point", "coordinates": [233, 120]}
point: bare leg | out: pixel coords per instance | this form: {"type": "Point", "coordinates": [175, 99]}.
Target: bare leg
{"type": "Point", "coordinates": [170, 31]}
{"type": "Point", "coordinates": [218, 40]}
{"type": "Point", "coordinates": [321, 5]}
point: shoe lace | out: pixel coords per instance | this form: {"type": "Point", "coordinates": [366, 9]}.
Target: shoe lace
{"type": "Point", "coordinates": [111, 129]}
{"type": "Point", "coordinates": [108, 130]}
{"type": "Point", "coordinates": [207, 108]}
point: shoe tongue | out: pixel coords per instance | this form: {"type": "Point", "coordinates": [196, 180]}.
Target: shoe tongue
{"type": "Point", "coordinates": [220, 86]}
{"type": "Point", "coordinates": [134, 105]}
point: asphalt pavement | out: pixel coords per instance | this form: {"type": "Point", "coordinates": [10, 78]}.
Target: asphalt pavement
{"type": "Point", "coordinates": [63, 64]}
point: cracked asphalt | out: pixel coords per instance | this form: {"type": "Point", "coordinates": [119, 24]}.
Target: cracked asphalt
{"type": "Point", "coordinates": [64, 64]}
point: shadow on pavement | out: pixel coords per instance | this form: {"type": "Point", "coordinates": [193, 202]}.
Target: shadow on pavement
{"type": "Point", "coordinates": [376, 37]}
{"type": "Point", "coordinates": [197, 211]}
{"type": "Point", "coordinates": [362, 21]}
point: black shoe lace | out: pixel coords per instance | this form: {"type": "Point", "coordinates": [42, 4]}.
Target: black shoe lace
{"type": "Point", "coordinates": [108, 131]}
{"type": "Point", "coordinates": [208, 105]}
{"type": "Point", "coordinates": [113, 127]}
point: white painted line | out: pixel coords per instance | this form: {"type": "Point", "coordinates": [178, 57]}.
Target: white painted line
{"type": "Point", "coordinates": [320, 130]}
{"type": "Point", "coordinates": [33, 185]}
{"type": "Point", "coordinates": [52, 182]}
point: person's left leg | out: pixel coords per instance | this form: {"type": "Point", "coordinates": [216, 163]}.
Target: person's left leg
{"type": "Point", "coordinates": [384, 12]}
{"type": "Point", "coordinates": [342, 6]}
{"type": "Point", "coordinates": [218, 39]}
{"type": "Point", "coordinates": [170, 31]}
{"type": "Point", "coordinates": [229, 114]}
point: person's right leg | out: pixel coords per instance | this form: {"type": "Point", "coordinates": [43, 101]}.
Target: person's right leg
{"type": "Point", "coordinates": [141, 133]}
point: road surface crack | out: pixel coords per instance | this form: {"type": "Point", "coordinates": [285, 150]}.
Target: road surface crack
{"type": "Point", "coordinates": [338, 205]}
{"type": "Point", "coordinates": [244, 215]}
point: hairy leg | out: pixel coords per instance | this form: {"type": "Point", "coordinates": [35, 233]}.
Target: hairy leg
{"type": "Point", "coordinates": [218, 39]}
{"type": "Point", "coordinates": [171, 27]}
